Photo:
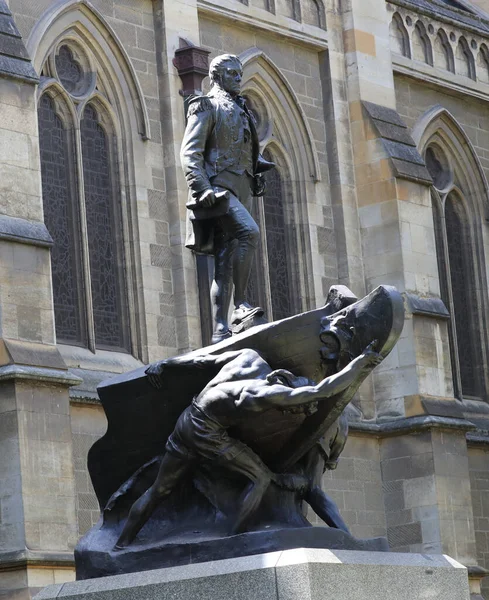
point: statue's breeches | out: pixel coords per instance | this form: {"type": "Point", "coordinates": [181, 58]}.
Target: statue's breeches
{"type": "Point", "coordinates": [197, 436]}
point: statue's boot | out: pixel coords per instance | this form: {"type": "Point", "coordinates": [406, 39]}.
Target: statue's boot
{"type": "Point", "coordinates": [263, 165]}
{"type": "Point", "coordinates": [219, 336]}
{"type": "Point", "coordinates": [245, 312]}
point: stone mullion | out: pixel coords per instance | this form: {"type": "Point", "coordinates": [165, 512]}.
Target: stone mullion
{"type": "Point", "coordinates": [449, 292]}
{"type": "Point", "coordinates": [261, 259]}
{"type": "Point", "coordinates": [85, 251]}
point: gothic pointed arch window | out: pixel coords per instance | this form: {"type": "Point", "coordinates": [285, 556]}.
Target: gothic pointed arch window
{"type": "Point", "coordinates": [273, 283]}
{"type": "Point", "coordinates": [459, 270]}
{"type": "Point", "coordinates": [61, 217]}
{"type": "Point", "coordinates": [399, 37]}
{"type": "Point", "coordinates": [81, 199]}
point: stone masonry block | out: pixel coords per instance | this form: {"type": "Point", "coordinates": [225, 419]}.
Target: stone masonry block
{"type": "Point", "coordinates": [421, 491]}
{"type": "Point", "coordinates": [396, 469]}
{"type": "Point", "coordinates": [166, 331]}
{"type": "Point", "coordinates": [400, 517]}
{"type": "Point", "coordinates": [394, 501]}
{"type": "Point", "coordinates": [160, 256]}
{"type": "Point", "coordinates": [29, 323]}
{"type": "Point", "coordinates": [404, 535]}
{"type": "Point", "coordinates": [396, 447]}
{"type": "Point", "coordinates": [12, 536]}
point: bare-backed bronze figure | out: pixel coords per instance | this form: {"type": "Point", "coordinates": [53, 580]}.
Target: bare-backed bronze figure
{"type": "Point", "coordinates": [246, 383]}
{"type": "Point", "coordinates": [215, 453]}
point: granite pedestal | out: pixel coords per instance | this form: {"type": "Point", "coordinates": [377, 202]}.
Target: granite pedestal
{"type": "Point", "coordinates": [301, 574]}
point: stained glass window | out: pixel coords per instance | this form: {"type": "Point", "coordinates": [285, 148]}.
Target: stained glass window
{"type": "Point", "coordinates": [80, 184]}
{"type": "Point", "coordinates": [69, 71]}
{"type": "Point", "coordinates": [459, 253]}
{"type": "Point", "coordinates": [276, 265]}
{"type": "Point", "coordinates": [61, 220]}
{"type": "Point", "coordinates": [276, 231]}
{"type": "Point", "coordinates": [103, 226]}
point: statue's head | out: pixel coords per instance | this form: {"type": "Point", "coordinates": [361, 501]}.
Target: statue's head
{"type": "Point", "coordinates": [226, 71]}
{"type": "Point", "coordinates": [336, 335]}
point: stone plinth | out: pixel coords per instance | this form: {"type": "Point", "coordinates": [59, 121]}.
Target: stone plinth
{"type": "Point", "coordinates": [289, 575]}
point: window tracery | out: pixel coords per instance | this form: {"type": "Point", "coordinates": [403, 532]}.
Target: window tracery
{"type": "Point", "coordinates": [483, 64]}
{"type": "Point", "coordinates": [313, 13]}
{"type": "Point", "coordinates": [399, 36]}
{"type": "Point", "coordinates": [69, 71]}
{"type": "Point", "coordinates": [443, 52]}
{"type": "Point", "coordinates": [271, 282]}
{"type": "Point", "coordinates": [61, 220]}
{"type": "Point", "coordinates": [82, 202]}
{"type": "Point", "coordinates": [421, 44]}
{"type": "Point", "coordinates": [456, 265]}
{"type": "Point", "coordinates": [276, 240]}
{"type": "Point", "coordinates": [464, 59]}
{"type": "Point", "coordinates": [460, 268]}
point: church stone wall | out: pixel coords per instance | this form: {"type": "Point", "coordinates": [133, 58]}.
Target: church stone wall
{"type": "Point", "coordinates": [356, 486]}
{"type": "Point", "coordinates": [382, 487]}
{"type": "Point", "coordinates": [479, 482]}
{"type": "Point", "coordinates": [133, 24]}
{"type": "Point", "coordinates": [88, 424]}
{"type": "Point", "coordinates": [414, 98]}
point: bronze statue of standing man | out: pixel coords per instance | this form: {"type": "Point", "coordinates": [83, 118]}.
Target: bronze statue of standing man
{"type": "Point", "coordinates": [223, 166]}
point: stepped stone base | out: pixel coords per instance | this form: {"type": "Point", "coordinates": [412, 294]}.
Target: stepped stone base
{"type": "Point", "coordinates": [289, 575]}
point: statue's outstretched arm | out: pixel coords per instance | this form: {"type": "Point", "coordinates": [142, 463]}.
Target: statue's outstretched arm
{"type": "Point", "coordinates": [283, 397]}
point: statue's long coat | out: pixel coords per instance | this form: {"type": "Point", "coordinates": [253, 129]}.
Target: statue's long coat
{"type": "Point", "coordinates": [212, 144]}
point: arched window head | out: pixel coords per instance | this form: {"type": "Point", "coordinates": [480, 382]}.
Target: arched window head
{"type": "Point", "coordinates": [399, 36]}
{"type": "Point", "coordinates": [289, 8]}
{"type": "Point", "coordinates": [286, 138]}
{"type": "Point", "coordinates": [483, 64]}
{"type": "Point", "coordinates": [81, 197]}
{"type": "Point", "coordinates": [313, 13]}
{"type": "Point", "coordinates": [443, 54]}
{"type": "Point", "coordinates": [464, 59]}
{"type": "Point", "coordinates": [268, 5]}
{"type": "Point", "coordinates": [422, 50]}
{"type": "Point", "coordinates": [439, 168]}
{"type": "Point", "coordinates": [457, 270]}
